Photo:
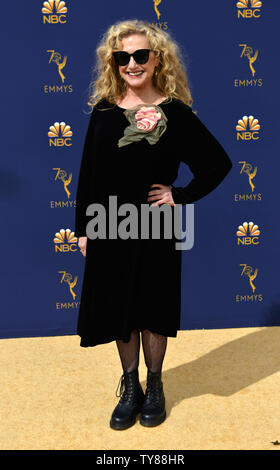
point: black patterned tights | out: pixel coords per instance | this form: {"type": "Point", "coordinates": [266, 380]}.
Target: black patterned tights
{"type": "Point", "coordinates": [154, 348]}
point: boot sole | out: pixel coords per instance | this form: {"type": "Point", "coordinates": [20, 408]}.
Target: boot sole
{"type": "Point", "coordinates": [149, 422]}
{"type": "Point", "coordinates": [122, 426]}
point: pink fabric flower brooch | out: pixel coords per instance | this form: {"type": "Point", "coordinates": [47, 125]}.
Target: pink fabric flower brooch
{"type": "Point", "coordinates": [146, 122]}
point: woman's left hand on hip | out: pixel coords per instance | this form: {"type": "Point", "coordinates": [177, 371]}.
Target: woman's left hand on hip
{"type": "Point", "coordinates": [162, 195]}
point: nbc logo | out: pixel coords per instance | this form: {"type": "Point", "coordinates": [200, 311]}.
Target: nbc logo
{"type": "Point", "coordinates": [247, 128]}
{"type": "Point", "coordinates": [248, 9]}
{"type": "Point", "coordinates": [54, 12]}
{"type": "Point", "coordinates": [59, 135]}
{"type": "Point", "coordinates": [248, 234]}
{"type": "Point", "coordinates": [65, 241]}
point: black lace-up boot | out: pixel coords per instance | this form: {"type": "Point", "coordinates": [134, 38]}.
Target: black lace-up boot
{"type": "Point", "coordinates": [132, 397]}
{"type": "Point", "coordinates": [153, 410]}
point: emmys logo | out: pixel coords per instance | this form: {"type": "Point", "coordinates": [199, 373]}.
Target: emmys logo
{"type": "Point", "coordinates": [56, 58]}
{"type": "Point", "coordinates": [251, 56]}
{"type": "Point", "coordinates": [251, 274]}
{"type": "Point", "coordinates": [247, 170]}
{"type": "Point", "coordinates": [247, 128]}
{"type": "Point", "coordinates": [245, 12]}
{"type": "Point", "coordinates": [66, 180]}
{"type": "Point", "coordinates": [156, 4]}
{"type": "Point", "coordinates": [159, 24]}
{"type": "Point", "coordinates": [247, 234]}
{"type": "Point", "coordinates": [248, 52]}
{"type": "Point", "coordinates": [67, 278]}
{"type": "Point", "coordinates": [54, 12]}
{"type": "Point", "coordinates": [60, 139]}
{"type": "Point", "coordinates": [65, 241]}
{"type": "Point", "coordinates": [61, 175]}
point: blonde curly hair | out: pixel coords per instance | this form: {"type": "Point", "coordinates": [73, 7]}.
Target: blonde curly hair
{"type": "Point", "coordinates": [170, 76]}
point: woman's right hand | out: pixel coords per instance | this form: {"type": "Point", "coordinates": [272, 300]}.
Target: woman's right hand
{"type": "Point", "coordinates": [82, 244]}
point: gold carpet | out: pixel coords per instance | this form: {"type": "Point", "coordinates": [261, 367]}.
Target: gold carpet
{"type": "Point", "coordinates": [221, 387]}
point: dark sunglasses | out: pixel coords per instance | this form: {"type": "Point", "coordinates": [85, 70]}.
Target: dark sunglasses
{"type": "Point", "coordinates": [141, 56]}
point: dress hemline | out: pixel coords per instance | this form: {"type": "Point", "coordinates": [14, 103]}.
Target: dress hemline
{"type": "Point", "coordinates": [85, 343]}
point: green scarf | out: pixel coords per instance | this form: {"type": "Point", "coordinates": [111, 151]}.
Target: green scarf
{"type": "Point", "coordinates": [133, 134]}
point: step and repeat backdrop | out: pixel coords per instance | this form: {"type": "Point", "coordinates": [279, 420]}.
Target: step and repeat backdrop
{"type": "Point", "coordinates": [230, 276]}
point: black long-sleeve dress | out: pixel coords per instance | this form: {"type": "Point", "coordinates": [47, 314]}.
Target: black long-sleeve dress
{"type": "Point", "coordinates": [135, 283]}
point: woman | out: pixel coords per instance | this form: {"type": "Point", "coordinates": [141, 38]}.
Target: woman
{"type": "Point", "coordinates": [133, 152]}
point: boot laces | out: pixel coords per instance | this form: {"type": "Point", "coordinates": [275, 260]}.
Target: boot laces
{"type": "Point", "coordinates": [154, 391]}
{"type": "Point", "coordinates": [127, 391]}
{"type": "Point", "coordinates": [121, 387]}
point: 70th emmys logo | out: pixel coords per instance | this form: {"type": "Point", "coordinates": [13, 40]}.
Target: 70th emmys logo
{"type": "Point", "coordinates": [67, 278]}
{"type": "Point", "coordinates": [248, 52]}
{"type": "Point", "coordinates": [251, 273]}
{"type": "Point", "coordinates": [54, 12]}
{"type": "Point", "coordinates": [60, 139]}
{"type": "Point", "coordinates": [161, 24]}
{"type": "Point", "coordinates": [66, 180]}
{"type": "Point", "coordinates": [244, 10]}
{"type": "Point", "coordinates": [57, 59]}
{"type": "Point", "coordinates": [251, 56]}
{"type": "Point", "coordinates": [60, 61]}
{"type": "Point", "coordinates": [248, 169]}
{"type": "Point", "coordinates": [156, 4]}
{"type": "Point", "coordinates": [249, 172]}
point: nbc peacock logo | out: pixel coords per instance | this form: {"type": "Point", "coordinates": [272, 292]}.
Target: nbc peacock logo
{"type": "Point", "coordinates": [60, 135]}
{"type": "Point", "coordinates": [248, 234]}
{"type": "Point", "coordinates": [65, 241]}
{"type": "Point", "coordinates": [248, 128]}
{"type": "Point", "coordinates": [249, 8]}
{"type": "Point", "coordinates": [54, 11]}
